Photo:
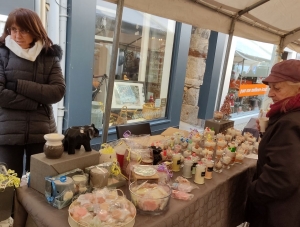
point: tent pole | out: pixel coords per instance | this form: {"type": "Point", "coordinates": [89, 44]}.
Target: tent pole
{"type": "Point", "coordinates": [112, 69]}
{"type": "Point", "coordinates": [242, 71]}
{"type": "Point", "coordinates": [218, 104]}
{"type": "Point", "coordinates": [279, 50]}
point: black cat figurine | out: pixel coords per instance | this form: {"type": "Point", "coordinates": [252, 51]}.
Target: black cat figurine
{"type": "Point", "coordinates": [79, 135]}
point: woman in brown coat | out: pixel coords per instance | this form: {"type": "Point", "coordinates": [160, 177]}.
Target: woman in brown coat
{"type": "Point", "coordinates": [30, 81]}
{"type": "Point", "coordinates": [274, 194]}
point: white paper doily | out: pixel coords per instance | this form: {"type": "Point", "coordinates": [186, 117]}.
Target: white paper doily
{"type": "Point", "coordinates": [145, 171]}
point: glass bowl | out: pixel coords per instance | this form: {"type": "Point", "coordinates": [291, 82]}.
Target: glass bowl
{"type": "Point", "coordinates": [150, 198]}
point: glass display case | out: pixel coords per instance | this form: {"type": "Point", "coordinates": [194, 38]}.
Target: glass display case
{"type": "Point", "coordinates": [143, 64]}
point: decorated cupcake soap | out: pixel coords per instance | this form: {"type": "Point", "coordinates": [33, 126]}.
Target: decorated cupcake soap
{"type": "Point", "coordinates": [209, 131]}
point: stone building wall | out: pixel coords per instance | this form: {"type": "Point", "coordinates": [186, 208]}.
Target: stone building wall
{"type": "Point", "coordinates": [194, 75]}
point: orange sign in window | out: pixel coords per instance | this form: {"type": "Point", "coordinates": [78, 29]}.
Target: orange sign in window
{"type": "Point", "coordinates": [252, 89]}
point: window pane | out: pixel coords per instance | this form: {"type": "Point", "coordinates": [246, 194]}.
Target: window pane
{"type": "Point", "coordinates": [3, 19]}
{"type": "Point", "coordinates": [251, 64]}
{"type": "Point", "coordinates": [143, 65]}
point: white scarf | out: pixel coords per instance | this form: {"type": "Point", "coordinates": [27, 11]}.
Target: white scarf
{"type": "Point", "coordinates": [29, 54]}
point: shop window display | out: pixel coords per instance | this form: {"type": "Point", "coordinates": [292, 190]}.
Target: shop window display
{"type": "Point", "coordinates": [251, 64]}
{"type": "Point", "coordinates": [143, 65]}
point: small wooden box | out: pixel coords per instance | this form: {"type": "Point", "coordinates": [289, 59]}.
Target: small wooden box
{"type": "Point", "coordinates": [219, 127]}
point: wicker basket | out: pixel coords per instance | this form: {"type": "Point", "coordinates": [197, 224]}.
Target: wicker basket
{"type": "Point", "coordinates": [120, 119]}
{"type": "Point", "coordinates": [130, 223]}
{"type": "Point", "coordinates": [150, 111]}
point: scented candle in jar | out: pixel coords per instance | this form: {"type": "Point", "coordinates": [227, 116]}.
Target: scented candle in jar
{"type": "Point", "coordinates": [221, 144]}
{"type": "Point", "coordinates": [204, 160]}
{"type": "Point", "coordinates": [204, 152]}
{"type": "Point", "coordinates": [247, 134]}
{"type": "Point", "coordinates": [80, 182]}
{"type": "Point", "coordinates": [238, 132]}
{"type": "Point", "coordinates": [240, 138]}
{"type": "Point", "coordinates": [195, 160]}
{"type": "Point", "coordinates": [209, 169]}
{"type": "Point", "coordinates": [197, 149]}
{"type": "Point", "coordinates": [228, 137]}
{"type": "Point", "coordinates": [226, 161]}
{"type": "Point", "coordinates": [237, 141]}
{"type": "Point", "coordinates": [231, 154]}
{"type": "Point", "coordinates": [246, 146]}
{"type": "Point", "coordinates": [251, 146]}
{"type": "Point", "coordinates": [172, 142]}
{"type": "Point", "coordinates": [200, 173]}
{"type": "Point", "coordinates": [232, 144]}
{"type": "Point", "coordinates": [169, 154]}
{"type": "Point", "coordinates": [239, 157]}
{"type": "Point", "coordinates": [187, 153]}
{"type": "Point", "coordinates": [220, 136]}
{"type": "Point", "coordinates": [166, 144]}
{"type": "Point", "coordinates": [209, 144]}
{"type": "Point", "coordinates": [184, 143]}
{"type": "Point", "coordinates": [196, 138]}
{"type": "Point", "coordinates": [219, 153]}
{"type": "Point", "coordinates": [208, 131]}
{"type": "Point", "coordinates": [218, 166]}
{"type": "Point", "coordinates": [241, 150]}
{"type": "Point", "coordinates": [177, 148]}
{"type": "Point", "coordinates": [231, 131]}
{"type": "Point", "coordinates": [251, 139]}
{"type": "Point", "coordinates": [187, 167]}
{"type": "Point", "coordinates": [190, 145]}
{"type": "Point", "coordinates": [209, 154]}
{"type": "Point", "coordinates": [177, 137]}
{"type": "Point", "coordinates": [176, 162]}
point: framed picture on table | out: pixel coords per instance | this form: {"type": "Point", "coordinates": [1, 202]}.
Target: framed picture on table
{"type": "Point", "coordinates": [130, 94]}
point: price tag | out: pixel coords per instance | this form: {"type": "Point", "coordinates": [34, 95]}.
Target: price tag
{"type": "Point", "coordinates": [157, 103]}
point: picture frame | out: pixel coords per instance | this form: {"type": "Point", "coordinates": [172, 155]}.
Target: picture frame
{"type": "Point", "coordinates": [130, 94]}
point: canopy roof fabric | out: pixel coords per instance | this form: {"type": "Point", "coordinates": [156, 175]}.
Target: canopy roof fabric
{"type": "Point", "coordinates": [271, 21]}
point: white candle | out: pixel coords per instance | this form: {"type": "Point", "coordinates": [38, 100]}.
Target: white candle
{"type": "Point", "coordinates": [60, 186]}
{"type": "Point", "coordinates": [79, 179]}
{"type": "Point", "coordinates": [200, 173]}
{"type": "Point", "coordinates": [187, 168]}
{"type": "Point", "coordinates": [209, 169]}
{"type": "Point", "coordinates": [176, 162]}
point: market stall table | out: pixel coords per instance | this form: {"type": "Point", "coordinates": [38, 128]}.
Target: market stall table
{"type": "Point", "coordinates": [219, 202]}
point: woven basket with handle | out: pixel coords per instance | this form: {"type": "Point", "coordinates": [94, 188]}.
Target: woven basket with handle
{"type": "Point", "coordinates": [150, 111]}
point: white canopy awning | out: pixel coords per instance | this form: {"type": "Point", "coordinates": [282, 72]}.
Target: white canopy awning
{"type": "Point", "coordinates": [271, 21]}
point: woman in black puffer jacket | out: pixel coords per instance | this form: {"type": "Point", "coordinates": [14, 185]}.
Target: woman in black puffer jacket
{"type": "Point", "coordinates": [30, 81]}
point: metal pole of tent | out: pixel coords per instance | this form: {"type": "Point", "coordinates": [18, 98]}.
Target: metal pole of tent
{"type": "Point", "coordinates": [112, 69]}
{"type": "Point", "coordinates": [218, 104]}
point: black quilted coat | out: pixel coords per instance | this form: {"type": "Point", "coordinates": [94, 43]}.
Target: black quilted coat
{"type": "Point", "coordinates": [274, 195]}
{"type": "Point", "coordinates": [26, 114]}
